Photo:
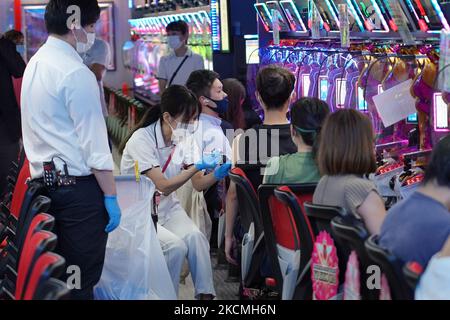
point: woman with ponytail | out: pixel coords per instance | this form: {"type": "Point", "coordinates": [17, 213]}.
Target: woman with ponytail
{"type": "Point", "coordinates": [307, 116]}
{"type": "Point", "coordinates": [162, 150]}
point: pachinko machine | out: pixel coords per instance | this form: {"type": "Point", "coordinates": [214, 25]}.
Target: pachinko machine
{"type": "Point", "coordinates": [148, 44]}
{"type": "Point", "coordinates": [386, 59]}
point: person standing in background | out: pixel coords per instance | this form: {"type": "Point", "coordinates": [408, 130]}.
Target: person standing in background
{"type": "Point", "coordinates": [98, 58]}
{"type": "Point", "coordinates": [236, 95]}
{"type": "Point", "coordinates": [176, 67]}
{"type": "Point", "coordinates": [64, 129]}
{"type": "Point", "coordinates": [11, 65]}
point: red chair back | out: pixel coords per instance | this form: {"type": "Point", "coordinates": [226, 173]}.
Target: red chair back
{"type": "Point", "coordinates": [286, 224]}
{"type": "Point", "coordinates": [47, 265]}
{"type": "Point", "coordinates": [20, 189]}
{"type": "Point", "coordinates": [39, 243]}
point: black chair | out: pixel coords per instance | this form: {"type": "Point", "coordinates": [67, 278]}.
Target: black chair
{"type": "Point", "coordinates": [286, 225]}
{"type": "Point", "coordinates": [412, 271]}
{"type": "Point", "coordinates": [320, 217]}
{"type": "Point", "coordinates": [39, 204]}
{"type": "Point", "coordinates": [250, 218]}
{"type": "Point", "coordinates": [392, 267]}
{"type": "Point", "coordinates": [352, 233]}
{"type": "Point", "coordinates": [48, 265]}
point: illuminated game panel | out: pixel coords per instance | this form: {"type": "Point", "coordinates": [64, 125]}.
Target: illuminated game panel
{"type": "Point", "coordinates": [362, 104]}
{"type": "Point", "coordinates": [306, 83]}
{"type": "Point", "coordinates": [293, 16]}
{"type": "Point", "coordinates": [264, 15]}
{"type": "Point", "coordinates": [341, 90]}
{"type": "Point", "coordinates": [323, 88]}
{"type": "Point", "coordinates": [440, 114]}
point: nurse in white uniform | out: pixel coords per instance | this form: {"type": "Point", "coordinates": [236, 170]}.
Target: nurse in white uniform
{"type": "Point", "coordinates": [162, 149]}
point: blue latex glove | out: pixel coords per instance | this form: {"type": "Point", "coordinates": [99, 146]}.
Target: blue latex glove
{"type": "Point", "coordinates": [113, 209]}
{"type": "Point", "coordinates": [209, 161]}
{"type": "Point", "coordinates": [222, 171]}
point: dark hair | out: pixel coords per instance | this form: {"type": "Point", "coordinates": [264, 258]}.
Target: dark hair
{"type": "Point", "coordinates": [56, 16]}
{"type": "Point", "coordinates": [178, 25]}
{"type": "Point", "coordinates": [236, 95]}
{"type": "Point", "coordinates": [439, 167]}
{"type": "Point", "coordinates": [13, 35]}
{"type": "Point", "coordinates": [347, 144]}
{"type": "Point", "coordinates": [307, 117]}
{"type": "Point", "coordinates": [200, 82]}
{"type": "Point", "coordinates": [275, 86]}
{"type": "Point", "coordinates": [177, 101]}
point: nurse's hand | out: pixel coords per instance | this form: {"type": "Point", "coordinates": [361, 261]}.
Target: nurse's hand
{"type": "Point", "coordinates": [209, 161]}
{"type": "Point", "coordinates": [113, 209]}
{"type": "Point", "coordinates": [222, 171]}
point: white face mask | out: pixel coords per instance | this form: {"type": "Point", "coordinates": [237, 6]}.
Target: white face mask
{"type": "Point", "coordinates": [83, 47]}
{"type": "Point", "coordinates": [174, 42]}
{"type": "Point", "coordinates": [182, 131]}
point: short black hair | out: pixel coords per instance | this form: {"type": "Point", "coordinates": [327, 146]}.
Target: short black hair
{"type": "Point", "coordinates": [439, 167]}
{"type": "Point", "coordinates": [200, 82]}
{"type": "Point", "coordinates": [307, 117]}
{"type": "Point", "coordinates": [56, 16]}
{"type": "Point", "coordinates": [275, 85]}
{"type": "Point", "coordinates": [178, 25]}
{"type": "Point", "coordinates": [13, 35]}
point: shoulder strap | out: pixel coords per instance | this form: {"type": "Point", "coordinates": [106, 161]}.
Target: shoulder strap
{"type": "Point", "coordinates": [176, 71]}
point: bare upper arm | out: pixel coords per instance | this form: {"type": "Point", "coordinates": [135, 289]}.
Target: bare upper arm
{"type": "Point", "coordinates": [373, 212]}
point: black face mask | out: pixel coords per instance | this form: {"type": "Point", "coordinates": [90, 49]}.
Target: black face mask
{"type": "Point", "coordinates": [222, 105]}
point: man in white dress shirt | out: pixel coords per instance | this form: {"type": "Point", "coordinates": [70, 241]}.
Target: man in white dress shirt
{"type": "Point", "coordinates": [63, 126]}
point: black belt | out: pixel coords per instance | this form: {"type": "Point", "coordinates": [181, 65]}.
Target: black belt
{"type": "Point", "coordinates": [75, 180]}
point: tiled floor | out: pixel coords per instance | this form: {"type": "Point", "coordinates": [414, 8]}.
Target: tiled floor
{"type": "Point", "coordinates": [224, 290]}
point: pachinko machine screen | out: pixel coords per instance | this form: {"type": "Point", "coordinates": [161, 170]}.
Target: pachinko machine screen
{"type": "Point", "coordinates": [441, 115]}
{"type": "Point", "coordinates": [426, 15]}
{"type": "Point", "coordinates": [370, 14]}
{"type": "Point", "coordinates": [341, 91]}
{"type": "Point", "coordinates": [36, 34]}
{"type": "Point", "coordinates": [152, 45]}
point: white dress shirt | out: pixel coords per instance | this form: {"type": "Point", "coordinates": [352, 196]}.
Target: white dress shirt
{"type": "Point", "coordinates": [61, 112]}
{"type": "Point", "coordinates": [170, 63]}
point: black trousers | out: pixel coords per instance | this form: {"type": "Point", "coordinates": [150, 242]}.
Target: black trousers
{"type": "Point", "coordinates": [81, 218]}
{"type": "Point", "coordinates": [9, 152]}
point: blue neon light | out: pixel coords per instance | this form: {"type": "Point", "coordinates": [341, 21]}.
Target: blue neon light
{"type": "Point", "coordinates": [215, 25]}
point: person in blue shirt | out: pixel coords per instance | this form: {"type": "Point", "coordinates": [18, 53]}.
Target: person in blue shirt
{"type": "Point", "coordinates": [417, 228]}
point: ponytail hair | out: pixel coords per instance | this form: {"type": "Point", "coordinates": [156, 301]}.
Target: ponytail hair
{"type": "Point", "coordinates": [307, 118]}
{"type": "Point", "coordinates": [177, 101]}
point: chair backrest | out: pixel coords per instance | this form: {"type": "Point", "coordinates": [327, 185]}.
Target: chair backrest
{"type": "Point", "coordinates": [248, 201]}
{"type": "Point", "coordinates": [20, 189]}
{"type": "Point", "coordinates": [391, 266]}
{"type": "Point", "coordinates": [40, 242]}
{"type": "Point", "coordinates": [39, 204]}
{"type": "Point", "coordinates": [321, 216]}
{"type": "Point", "coordinates": [412, 271]}
{"type": "Point", "coordinates": [41, 221]}
{"type": "Point", "coordinates": [352, 233]}
{"type": "Point", "coordinates": [52, 289]}
{"type": "Point", "coordinates": [47, 265]}
{"type": "Point", "coordinates": [293, 221]}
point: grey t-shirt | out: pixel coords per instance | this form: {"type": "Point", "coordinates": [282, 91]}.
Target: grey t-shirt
{"type": "Point", "coordinates": [346, 191]}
